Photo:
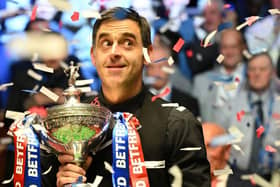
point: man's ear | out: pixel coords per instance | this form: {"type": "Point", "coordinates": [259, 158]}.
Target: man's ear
{"type": "Point", "coordinates": [150, 50]}
{"type": "Point", "coordinates": [92, 55]}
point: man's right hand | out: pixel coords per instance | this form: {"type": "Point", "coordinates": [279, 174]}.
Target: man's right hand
{"type": "Point", "coordinates": [68, 172]}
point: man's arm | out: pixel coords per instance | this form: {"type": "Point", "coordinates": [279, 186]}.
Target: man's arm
{"type": "Point", "coordinates": [184, 131]}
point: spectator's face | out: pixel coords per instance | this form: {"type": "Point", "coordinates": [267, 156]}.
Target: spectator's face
{"type": "Point", "coordinates": [117, 53]}
{"type": "Point", "coordinates": [217, 156]}
{"type": "Point", "coordinates": [155, 69]}
{"type": "Point", "coordinates": [212, 17]}
{"type": "Point", "coordinates": [259, 73]}
{"type": "Point", "coordinates": [231, 47]}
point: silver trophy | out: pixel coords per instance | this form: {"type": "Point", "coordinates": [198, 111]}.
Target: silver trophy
{"type": "Point", "coordinates": [75, 128]}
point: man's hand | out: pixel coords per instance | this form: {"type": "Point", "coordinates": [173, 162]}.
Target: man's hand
{"type": "Point", "coordinates": [68, 172]}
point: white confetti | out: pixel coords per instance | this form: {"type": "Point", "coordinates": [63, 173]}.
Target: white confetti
{"type": "Point", "coordinates": [220, 58]}
{"type": "Point", "coordinates": [241, 26]}
{"type": "Point", "coordinates": [181, 108]}
{"type": "Point", "coordinates": [8, 180]}
{"type": "Point", "coordinates": [108, 167]}
{"type": "Point", "coordinates": [146, 55]}
{"type": "Point", "coordinates": [6, 140]}
{"type": "Point", "coordinates": [85, 89]}
{"type": "Point", "coordinates": [62, 5]}
{"type": "Point", "coordinates": [35, 57]}
{"type": "Point", "coordinates": [170, 105]}
{"type": "Point", "coordinates": [246, 53]}
{"type": "Point", "coordinates": [34, 75]}
{"type": "Point", "coordinates": [91, 14]}
{"type": "Point", "coordinates": [154, 164]}
{"type": "Point", "coordinates": [191, 149]}
{"type": "Point", "coordinates": [274, 11]}
{"type": "Point", "coordinates": [223, 172]}
{"type": "Point", "coordinates": [14, 115]}
{"type": "Point", "coordinates": [168, 70]}
{"type": "Point", "coordinates": [208, 38]}
{"type": "Point", "coordinates": [47, 171]}
{"type": "Point", "coordinates": [178, 176]}
{"type": "Point", "coordinates": [96, 181]}
{"type": "Point", "coordinates": [170, 61]}
{"type": "Point", "coordinates": [238, 148]}
{"type": "Point", "coordinates": [83, 82]}
{"type": "Point", "coordinates": [42, 67]}
{"type": "Point", "coordinates": [49, 94]}
{"type": "Point", "coordinates": [4, 86]}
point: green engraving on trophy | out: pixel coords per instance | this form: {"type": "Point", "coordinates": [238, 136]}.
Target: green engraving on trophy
{"type": "Point", "coordinates": [70, 133]}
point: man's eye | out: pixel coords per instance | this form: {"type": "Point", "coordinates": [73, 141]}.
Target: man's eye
{"type": "Point", "coordinates": [106, 43]}
{"type": "Point", "coordinates": [128, 43]}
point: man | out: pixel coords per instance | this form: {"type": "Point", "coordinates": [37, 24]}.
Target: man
{"type": "Point", "coordinates": [163, 79]}
{"type": "Point", "coordinates": [255, 111]}
{"type": "Point", "coordinates": [213, 88]}
{"type": "Point", "coordinates": [118, 41]}
{"type": "Point", "coordinates": [218, 156]}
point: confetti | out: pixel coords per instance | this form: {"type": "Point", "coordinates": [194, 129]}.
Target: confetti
{"type": "Point", "coordinates": [230, 86]}
{"type": "Point", "coordinates": [34, 13]}
{"type": "Point", "coordinates": [62, 5]}
{"type": "Point", "coordinates": [165, 92]}
{"type": "Point", "coordinates": [189, 53]}
{"type": "Point", "coordinates": [170, 61]}
{"type": "Point", "coordinates": [170, 105]}
{"type": "Point", "coordinates": [270, 149]}
{"type": "Point", "coordinates": [220, 58]}
{"type": "Point", "coordinates": [42, 67]}
{"type": "Point", "coordinates": [83, 82]}
{"type": "Point", "coordinates": [49, 94]}
{"type": "Point", "coordinates": [208, 38]}
{"type": "Point", "coordinates": [154, 164]}
{"type": "Point", "coordinates": [75, 16]}
{"type": "Point", "coordinates": [34, 75]}
{"type": "Point", "coordinates": [274, 11]}
{"type": "Point", "coordinates": [238, 148]}
{"type": "Point", "coordinates": [201, 45]}
{"type": "Point", "coordinates": [233, 130]}
{"type": "Point", "coordinates": [8, 180]}
{"type": "Point", "coordinates": [277, 143]}
{"type": "Point", "coordinates": [239, 115]}
{"type": "Point", "coordinates": [146, 55]}
{"type": "Point", "coordinates": [168, 70]}
{"type": "Point", "coordinates": [47, 171]}
{"type": "Point", "coordinates": [91, 14]}
{"type": "Point", "coordinates": [29, 91]}
{"type": "Point", "coordinates": [252, 19]}
{"type": "Point", "coordinates": [108, 167]}
{"type": "Point", "coordinates": [177, 175]}
{"type": "Point", "coordinates": [191, 149]}
{"type": "Point", "coordinates": [96, 181]}
{"type": "Point", "coordinates": [246, 54]}
{"type": "Point", "coordinates": [224, 26]}
{"type": "Point", "coordinates": [181, 108]}
{"type": "Point", "coordinates": [276, 116]}
{"type": "Point", "coordinates": [179, 44]}
{"type": "Point", "coordinates": [64, 65]}
{"type": "Point", "coordinates": [14, 115]}
{"type": "Point", "coordinates": [219, 172]}
{"type": "Point", "coordinates": [260, 131]}
{"type": "Point", "coordinates": [85, 89]}
{"type": "Point", "coordinates": [4, 86]}
{"type": "Point", "coordinates": [227, 6]}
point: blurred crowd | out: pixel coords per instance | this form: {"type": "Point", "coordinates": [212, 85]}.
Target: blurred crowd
{"type": "Point", "coordinates": [230, 82]}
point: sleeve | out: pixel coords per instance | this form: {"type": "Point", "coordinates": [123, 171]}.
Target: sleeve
{"type": "Point", "coordinates": [185, 131]}
{"type": "Point", "coordinates": [49, 163]}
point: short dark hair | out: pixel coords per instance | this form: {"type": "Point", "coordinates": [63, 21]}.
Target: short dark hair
{"type": "Point", "coordinates": [264, 53]}
{"type": "Point", "coordinates": [120, 13]}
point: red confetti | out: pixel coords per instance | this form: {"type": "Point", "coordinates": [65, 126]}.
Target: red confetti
{"type": "Point", "coordinates": [251, 20]}
{"type": "Point", "coordinates": [41, 111]}
{"type": "Point", "coordinates": [237, 79]}
{"type": "Point", "coordinates": [252, 180]}
{"type": "Point", "coordinates": [276, 116]}
{"type": "Point", "coordinates": [179, 44]}
{"type": "Point", "coordinates": [270, 149]}
{"type": "Point", "coordinates": [165, 92]}
{"type": "Point", "coordinates": [75, 16]}
{"type": "Point", "coordinates": [34, 12]}
{"type": "Point", "coordinates": [95, 102]}
{"type": "Point", "coordinates": [260, 131]}
{"type": "Point", "coordinates": [201, 44]}
{"type": "Point", "coordinates": [240, 115]}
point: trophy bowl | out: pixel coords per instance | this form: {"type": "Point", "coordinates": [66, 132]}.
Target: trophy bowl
{"type": "Point", "coordinates": [76, 129]}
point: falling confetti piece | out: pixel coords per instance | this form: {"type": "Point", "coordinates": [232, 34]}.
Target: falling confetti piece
{"type": "Point", "coordinates": [34, 75]}
{"type": "Point", "coordinates": [224, 26]}
{"type": "Point", "coordinates": [61, 5]}
{"type": "Point", "coordinates": [239, 115]}
{"type": "Point", "coordinates": [170, 61]}
{"type": "Point", "coordinates": [14, 115]}
{"type": "Point", "coordinates": [208, 38]}
{"type": "Point", "coordinates": [164, 93]}
{"type": "Point", "coordinates": [227, 6]}
{"type": "Point", "coordinates": [179, 44]}
{"type": "Point", "coordinates": [43, 67]}
{"type": "Point", "coordinates": [168, 70]}
{"type": "Point", "coordinates": [270, 149]}
{"type": "Point", "coordinates": [108, 167]}
{"type": "Point", "coordinates": [91, 14]}
{"type": "Point", "coordinates": [49, 94]}
{"type": "Point", "coordinates": [170, 105]}
{"type": "Point", "coordinates": [260, 131]}
{"type": "Point", "coordinates": [75, 16]}
{"type": "Point", "coordinates": [30, 91]}
{"type": "Point", "coordinates": [8, 180]}
{"type": "Point", "coordinates": [181, 108]}
{"type": "Point", "coordinates": [274, 11]}
{"type": "Point", "coordinates": [146, 55]}
{"type": "Point", "coordinates": [83, 82]}
{"type": "Point", "coordinates": [246, 54]}
{"type": "Point", "coordinates": [85, 89]}
{"type": "Point", "coordinates": [177, 176]}
{"type": "Point", "coordinates": [189, 53]}
{"type": "Point", "coordinates": [238, 148]}
{"type": "Point", "coordinates": [220, 58]}
{"type": "Point", "coordinates": [3, 87]}
{"type": "Point", "coordinates": [96, 181]}
{"type": "Point", "coordinates": [219, 172]}
{"type": "Point", "coordinates": [153, 164]}
{"type": "Point", "coordinates": [34, 13]}
{"type": "Point", "coordinates": [191, 149]}
{"type": "Point", "coordinates": [252, 19]}
{"type": "Point", "coordinates": [47, 171]}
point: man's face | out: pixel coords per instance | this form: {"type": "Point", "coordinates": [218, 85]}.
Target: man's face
{"type": "Point", "coordinates": [217, 156]}
{"type": "Point", "coordinates": [155, 69]}
{"type": "Point", "coordinates": [231, 47]}
{"type": "Point", "coordinates": [212, 17]}
{"type": "Point", "coordinates": [259, 73]}
{"type": "Point", "coordinates": [117, 53]}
